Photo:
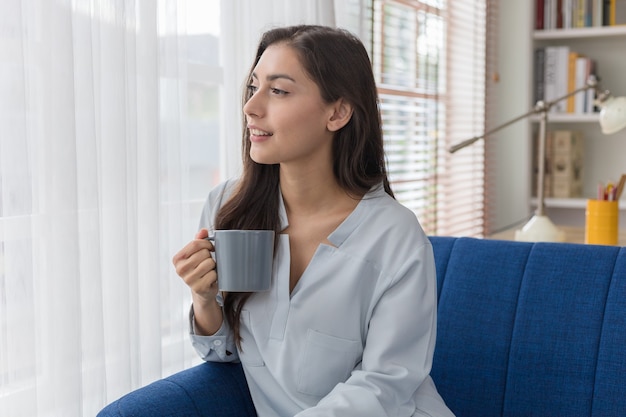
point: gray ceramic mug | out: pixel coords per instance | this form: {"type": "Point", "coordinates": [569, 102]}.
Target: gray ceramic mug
{"type": "Point", "coordinates": [243, 259]}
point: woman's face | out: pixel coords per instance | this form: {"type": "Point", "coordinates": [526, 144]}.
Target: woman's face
{"type": "Point", "coordinates": [286, 115]}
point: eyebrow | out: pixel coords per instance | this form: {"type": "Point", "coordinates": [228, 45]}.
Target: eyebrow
{"type": "Point", "coordinates": [273, 77]}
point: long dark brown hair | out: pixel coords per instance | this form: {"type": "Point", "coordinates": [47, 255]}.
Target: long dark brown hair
{"type": "Point", "coordinates": [338, 63]}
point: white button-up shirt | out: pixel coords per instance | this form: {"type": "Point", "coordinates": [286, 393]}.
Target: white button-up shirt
{"type": "Point", "coordinates": [356, 335]}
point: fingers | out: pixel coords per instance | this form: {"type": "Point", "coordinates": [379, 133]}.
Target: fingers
{"type": "Point", "coordinates": [198, 264]}
{"type": "Point", "coordinates": [203, 284]}
{"type": "Point", "coordinates": [198, 272]}
{"type": "Point", "coordinates": [196, 267]}
{"type": "Point", "coordinates": [202, 234]}
{"type": "Point", "coordinates": [193, 247]}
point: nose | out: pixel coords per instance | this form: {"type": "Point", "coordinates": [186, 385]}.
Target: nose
{"type": "Point", "coordinates": [254, 105]}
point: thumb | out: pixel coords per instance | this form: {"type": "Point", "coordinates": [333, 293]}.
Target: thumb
{"type": "Point", "coordinates": [202, 234]}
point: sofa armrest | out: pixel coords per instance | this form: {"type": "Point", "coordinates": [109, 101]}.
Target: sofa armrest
{"type": "Point", "coordinates": [210, 389]}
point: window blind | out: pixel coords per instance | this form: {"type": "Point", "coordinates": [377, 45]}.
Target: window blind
{"type": "Point", "coordinates": [429, 62]}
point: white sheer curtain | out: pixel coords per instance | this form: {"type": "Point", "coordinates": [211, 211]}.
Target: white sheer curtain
{"type": "Point", "coordinates": [101, 182]}
{"type": "Point", "coordinates": [94, 200]}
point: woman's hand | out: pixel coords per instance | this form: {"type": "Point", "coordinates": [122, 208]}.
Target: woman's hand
{"type": "Point", "coordinates": [196, 267]}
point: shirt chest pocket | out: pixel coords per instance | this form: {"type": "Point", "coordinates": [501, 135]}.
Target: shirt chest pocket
{"type": "Point", "coordinates": [326, 361]}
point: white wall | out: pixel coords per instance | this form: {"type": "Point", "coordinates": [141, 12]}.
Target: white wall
{"type": "Point", "coordinates": [513, 97]}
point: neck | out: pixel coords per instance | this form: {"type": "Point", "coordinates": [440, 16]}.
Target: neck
{"type": "Point", "coordinates": [310, 192]}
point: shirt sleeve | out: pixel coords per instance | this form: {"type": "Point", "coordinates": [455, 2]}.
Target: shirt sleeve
{"type": "Point", "coordinates": [399, 348]}
{"type": "Point", "coordinates": [218, 347]}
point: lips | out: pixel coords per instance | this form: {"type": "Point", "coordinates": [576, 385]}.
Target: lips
{"type": "Point", "coordinates": [258, 135]}
{"type": "Point", "coordinates": [259, 132]}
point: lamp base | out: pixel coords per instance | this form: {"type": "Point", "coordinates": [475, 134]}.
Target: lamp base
{"type": "Point", "coordinates": [539, 229]}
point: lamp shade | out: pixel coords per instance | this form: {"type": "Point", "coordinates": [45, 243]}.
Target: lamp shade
{"type": "Point", "coordinates": [613, 115]}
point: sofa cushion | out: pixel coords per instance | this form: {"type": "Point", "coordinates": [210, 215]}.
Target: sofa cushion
{"type": "Point", "coordinates": [476, 313]}
{"type": "Point", "coordinates": [609, 395]}
{"type": "Point", "coordinates": [554, 347]}
{"type": "Point", "coordinates": [530, 329]}
{"type": "Point", "coordinates": [207, 390]}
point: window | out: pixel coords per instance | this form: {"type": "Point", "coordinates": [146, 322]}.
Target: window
{"type": "Point", "coordinates": [429, 59]}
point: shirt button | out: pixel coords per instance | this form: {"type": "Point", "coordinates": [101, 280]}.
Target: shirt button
{"type": "Point", "coordinates": [217, 343]}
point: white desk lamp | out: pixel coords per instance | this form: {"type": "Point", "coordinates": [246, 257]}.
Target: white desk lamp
{"type": "Point", "coordinates": [612, 119]}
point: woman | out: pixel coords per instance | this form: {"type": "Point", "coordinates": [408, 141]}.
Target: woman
{"type": "Point", "coordinates": [348, 327]}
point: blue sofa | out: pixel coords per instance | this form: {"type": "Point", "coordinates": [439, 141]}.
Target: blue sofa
{"type": "Point", "coordinates": [525, 329]}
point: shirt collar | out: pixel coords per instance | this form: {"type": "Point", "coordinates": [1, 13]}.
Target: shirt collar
{"type": "Point", "coordinates": [339, 235]}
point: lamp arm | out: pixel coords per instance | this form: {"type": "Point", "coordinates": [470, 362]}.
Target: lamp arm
{"type": "Point", "coordinates": [468, 142]}
{"type": "Point", "coordinates": [549, 104]}
{"type": "Point", "coordinates": [540, 107]}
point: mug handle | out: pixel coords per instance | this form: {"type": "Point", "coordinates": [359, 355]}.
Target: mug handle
{"type": "Point", "coordinates": [211, 238]}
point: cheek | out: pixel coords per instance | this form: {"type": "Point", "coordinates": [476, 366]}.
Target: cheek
{"type": "Point", "coordinates": [308, 134]}
{"type": "Point", "coordinates": [299, 130]}
{"type": "Point", "coordinates": [307, 121]}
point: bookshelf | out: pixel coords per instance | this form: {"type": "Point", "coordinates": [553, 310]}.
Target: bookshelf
{"type": "Point", "coordinates": [604, 156]}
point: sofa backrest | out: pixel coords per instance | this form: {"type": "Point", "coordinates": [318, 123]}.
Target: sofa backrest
{"type": "Point", "coordinates": [530, 329]}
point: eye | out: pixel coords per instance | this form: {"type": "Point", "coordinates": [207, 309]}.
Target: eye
{"type": "Point", "coordinates": [251, 89]}
{"type": "Point", "coordinates": [279, 92]}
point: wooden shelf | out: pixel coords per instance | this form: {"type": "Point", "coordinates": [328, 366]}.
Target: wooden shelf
{"type": "Point", "coordinates": [569, 203]}
{"type": "Point", "coordinates": [580, 33]}
{"type": "Point", "coordinates": [572, 234]}
{"type": "Point", "coordinates": [573, 203]}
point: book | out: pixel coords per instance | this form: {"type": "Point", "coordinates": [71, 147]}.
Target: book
{"type": "Point", "coordinates": [597, 13]}
{"type": "Point", "coordinates": [590, 105]}
{"type": "Point", "coordinates": [589, 13]}
{"type": "Point", "coordinates": [571, 81]}
{"type": "Point", "coordinates": [562, 78]}
{"type": "Point", "coordinates": [550, 14]}
{"type": "Point", "coordinates": [579, 13]}
{"type": "Point", "coordinates": [540, 54]}
{"type": "Point", "coordinates": [606, 15]}
{"type": "Point", "coordinates": [556, 76]}
{"type": "Point", "coordinates": [567, 163]}
{"type": "Point", "coordinates": [567, 142]}
{"type": "Point", "coordinates": [582, 75]}
{"type": "Point", "coordinates": [547, 174]}
{"type": "Point", "coordinates": [617, 13]}
{"type": "Point", "coordinates": [567, 13]}
{"type": "Point", "coordinates": [550, 74]}
{"type": "Point", "coordinates": [559, 14]}
{"type": "Point", "coordinates": [539, 9]}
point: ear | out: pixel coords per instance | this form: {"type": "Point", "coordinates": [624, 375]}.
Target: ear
{"type": "Point", "coordinates": [342, 112]}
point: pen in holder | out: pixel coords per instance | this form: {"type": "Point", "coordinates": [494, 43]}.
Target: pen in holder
{"type": "Point", "coordinates": [601, 222]}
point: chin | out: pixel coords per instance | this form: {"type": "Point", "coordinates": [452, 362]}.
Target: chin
{"type": "Point", "coordinates": [263, 159]}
